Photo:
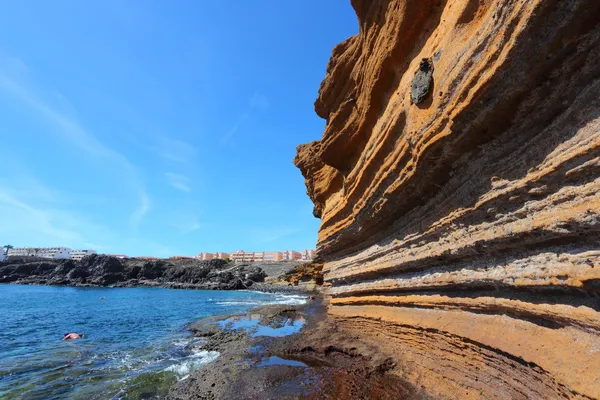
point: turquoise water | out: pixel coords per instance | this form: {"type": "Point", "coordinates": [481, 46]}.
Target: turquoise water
{"type": "Point", "coordinates": [135, 345]}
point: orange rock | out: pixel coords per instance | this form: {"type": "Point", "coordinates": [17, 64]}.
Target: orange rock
{"type": "Point", "coordinates": [466, 227]}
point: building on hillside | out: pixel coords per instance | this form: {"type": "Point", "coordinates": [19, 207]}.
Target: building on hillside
{"type": "Point", "coordinates": [308, 255]}
{"type": "Point", "coordinates": [242, 256]}
{"type": "Point", "coordinates": [47, 252]}
{"type": "Point", "coordinates": [272, 256]}
{"type": "Point", "coordinates": [77, 255]}
{"type": "Point", "coordinates": [205, 256]}
{"type": "Point", "coordinates": [147, 258]}
{"type": "Point", "coordinates": [256, 256]}
{"type": "Point", "coordinates": [290, 255]}
{"type": "Point", "coordinates": [120, 256]}
{"type": "Point", "coordinates": [219, 255]}
{"type": "Point", "coordinates": [181, 258]}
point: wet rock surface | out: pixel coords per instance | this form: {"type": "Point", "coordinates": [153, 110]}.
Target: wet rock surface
{"type": "Point", "coordinates": [318, 362]}
{"type": "Point", "coordinates": [100, 270]}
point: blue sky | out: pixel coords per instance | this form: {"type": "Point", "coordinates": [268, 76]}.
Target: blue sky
{"type": "Point", "coordinates": [161, 127]}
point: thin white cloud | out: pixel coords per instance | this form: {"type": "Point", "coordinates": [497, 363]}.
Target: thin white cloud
{"type": "Point", "coordinates": [258, 102]}
{"type": "Point", "coordinates": [141, 210]}
{"type": "Point", "coordinates": [93, 246]}
{"type": "Point", "coordinates": [40, 223]}
{"type": "Point", "coordinates": [192, 226]}
{"type": "Point", "coordinates": [185, 224]}
{"type": "Point", "coordinates": [175, 150]}
{"type": "Point", "coordinates": [225, 138]}
{"type": "Point", "coordinates": [178, 182]}
{"type": "Point", "coordinates": [35, 219]}
{"type": "Point", "coordinates": [32, 219]}
{"type": "Point", "coordinates": [71, 131]}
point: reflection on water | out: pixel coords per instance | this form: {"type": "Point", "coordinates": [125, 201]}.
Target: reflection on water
{"type": "Point", "coordinates": [251, 322]}
{"type": "Point", "coordinates": [274, 360]}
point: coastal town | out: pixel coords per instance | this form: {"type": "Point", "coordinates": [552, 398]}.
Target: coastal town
{"type": "Point", "coordinates": [239, 256]}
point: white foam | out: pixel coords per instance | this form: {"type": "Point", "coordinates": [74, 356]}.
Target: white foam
{"type": "Point", "coordinates": [288, 299]}
{"type": "Point", "coordinates": [185, 342]}
{"type": "Point", "coordinates": [193, 362]}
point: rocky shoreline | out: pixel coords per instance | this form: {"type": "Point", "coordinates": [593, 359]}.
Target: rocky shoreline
{"type": "Point", "coordinates": [288, 352]}
{"type": "Point", "coordinates": [105, 271]}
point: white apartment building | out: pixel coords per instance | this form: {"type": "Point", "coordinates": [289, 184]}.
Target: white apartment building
{"type": "Point", "coordinates": [77, 255]}
{"type": "Point", "coordinates": [290, 255]}
{"type": "Point", "coordinates": [308, 255]}
{"type": "Point", "coordinates": [49, 252]}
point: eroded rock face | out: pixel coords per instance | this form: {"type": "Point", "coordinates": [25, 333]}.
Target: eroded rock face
{"type": "Point", "coordinates": [465, 226]}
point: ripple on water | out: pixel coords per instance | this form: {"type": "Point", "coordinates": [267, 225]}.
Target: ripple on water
{"type": "Point", "coordinates": [134, 345]}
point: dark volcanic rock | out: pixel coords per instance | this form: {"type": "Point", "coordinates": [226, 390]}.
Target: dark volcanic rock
{"type": "Point", "coordinates": [101, 264]}
{"type": "Point", "coordinates": [78, 272]}
{"type": "Point", "coordinates": [255, 274]}
{"type": "Point", "coordinates": [152, 270]}
{"type": "Point", "coordinates": [134, 273]}
{"type": "Point", "coordinates": [101, 270]}
{"type": "Point", "coordinates": [422, 82]}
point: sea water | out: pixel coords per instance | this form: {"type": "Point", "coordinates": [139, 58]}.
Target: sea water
{"type": "Point", "coordinates": [135, 344]}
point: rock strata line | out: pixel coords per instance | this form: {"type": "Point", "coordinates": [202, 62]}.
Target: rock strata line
{"type": "Point", "coordinates": [458, 186]}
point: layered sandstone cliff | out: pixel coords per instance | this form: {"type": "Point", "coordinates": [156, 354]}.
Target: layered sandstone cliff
{"type": "Point", "coordinates": [458, 183]}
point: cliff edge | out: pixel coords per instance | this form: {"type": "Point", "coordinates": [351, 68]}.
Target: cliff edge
{"type": "Point", "coordinates": [458, 184]}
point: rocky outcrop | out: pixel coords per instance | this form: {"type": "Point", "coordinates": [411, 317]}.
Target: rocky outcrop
{"type": "Point", "coordinates": [458, 183]}
{"type": "Point", "coordinates": [100, 270]}
{"type": "Point", "coordinates": [311, 273]}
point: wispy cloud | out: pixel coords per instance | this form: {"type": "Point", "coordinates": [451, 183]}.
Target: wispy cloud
{"type": "Point", "coordinates": [257, 103]}
{"type": "Point", "coordinates": [141, 210]}
{"type": "Point", "coordinates": [175, 150]}
{"type": "Point", "coordinates": [192, 226]}
{"type": "Point", "coordinates": [225, 138]}
{"type": "Point", "coordinates": [177, 181]}
{"type": "Point", "coordinates": [70, 129]}
{"type": "Point", "coordinates": [94, 246]}
{"type": "Point", "coordinates": [35, 219]}
{"type": "Point", "coordinates": [40, 223]}
{"type": "Point", "coordinates": [186, 221]}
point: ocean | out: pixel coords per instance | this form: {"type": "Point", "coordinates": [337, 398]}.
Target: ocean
{"type": "Point", "coordinates": [135, 344]}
